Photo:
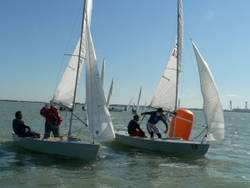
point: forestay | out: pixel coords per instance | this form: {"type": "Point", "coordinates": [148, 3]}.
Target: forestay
{"type": "Point", "coordinates": [211, 102]}
{"type": "Point", "coordinates": [99, 119]}
{"type": "Point", "coordinates": [65, 91]}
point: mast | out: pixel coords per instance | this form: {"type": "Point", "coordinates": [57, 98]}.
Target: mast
{"type": "Point", "coordinates": [78, 65]}
{"type": "Point", "coordinates": [179, 45]}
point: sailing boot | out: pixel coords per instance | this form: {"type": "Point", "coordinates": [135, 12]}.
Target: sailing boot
{"type": "Point", "coordinates": [151, 135]}
{"type": "Point", "coordinates": [159, 135]}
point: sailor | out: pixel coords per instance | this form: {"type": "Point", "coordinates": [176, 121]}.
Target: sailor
{"type": "Point", "coordinates": [52, 120]}
{"type": "Point", "coordinates": [134, 128]}
{"type": "Point", "coordinates": [155, 117]}
{"type": "Point", "coordinates": [21, 129]}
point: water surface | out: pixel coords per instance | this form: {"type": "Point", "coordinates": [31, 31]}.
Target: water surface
{"type": "Point", "coordinates": [226, 164]}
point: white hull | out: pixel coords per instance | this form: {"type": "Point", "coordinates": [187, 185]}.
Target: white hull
{"type": "Point", "coordinates": [166, 146]}
{"type": "Point", "coordinates": [73, 149]}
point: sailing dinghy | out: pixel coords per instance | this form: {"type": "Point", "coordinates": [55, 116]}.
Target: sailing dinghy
{"type": "Point", "coordinates": [99, 120]}
{"type": "Point", "coordinates": [178, 141]}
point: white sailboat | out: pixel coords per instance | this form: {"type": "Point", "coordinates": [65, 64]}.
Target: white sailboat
{"type": "Point", "coordinates": [127, 108]}
{"type": "Point", "coordinates": [110, 92]}
{"type": "Point", "coordinates": [138, 101]}
{"type": "Point", "coordinates": [99, 121]}
{"type": "Point", "coordinates": [136, 108]}
{"type": "Point", "coordinates": [166, 97]}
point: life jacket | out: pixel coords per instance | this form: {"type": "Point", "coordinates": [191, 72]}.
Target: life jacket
{"type": "Point", "coordinates": [52, 116]}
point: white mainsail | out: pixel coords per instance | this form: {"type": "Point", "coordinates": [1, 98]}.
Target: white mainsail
{"type": "Point", "coordinates": [99, 119]}
{"type": "Point", "coordinates": [211, 102]}
{"type": "Point", "coordinates": [165, 95]}
{"type": "Point", "coordinates": [65, 90]}
{"type": "Point", "coordinates": [110, 92]}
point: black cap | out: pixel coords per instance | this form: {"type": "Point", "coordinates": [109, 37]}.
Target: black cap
{"type": "Point", "coordinates": [136, 117]}
{"type": "Point", "coordinates": [159, 110]}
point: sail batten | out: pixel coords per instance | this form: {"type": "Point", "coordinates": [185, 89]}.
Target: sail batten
{"type": "Point", "coordinates": [212, 107]}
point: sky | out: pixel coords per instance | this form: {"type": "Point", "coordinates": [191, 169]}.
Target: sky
{"type": "Point", "coordinates": [134, 36]}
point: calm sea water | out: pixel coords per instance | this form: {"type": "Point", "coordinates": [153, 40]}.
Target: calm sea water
{"type": "Point", "coordinates": [227, 164]}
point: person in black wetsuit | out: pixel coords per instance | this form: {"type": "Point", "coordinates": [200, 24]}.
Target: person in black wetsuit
{"type": "Point", "coordinates": [21, 129]}
{"type": "Point", "coordinates": [134, 128]}
{"type": "Point", "coordinates": [155, 117]}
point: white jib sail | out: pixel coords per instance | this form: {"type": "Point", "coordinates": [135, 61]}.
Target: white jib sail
{"type": "Point", "coordinates": [99, 119]}
{"type": "Point", "coordinates": [165, 94]}
{"type": "Point", "coordinates": [65, 90]}
{"type": "Point", "coordinates": [110, 92]}
{"type": "Point", "coordinates": [211, 102]}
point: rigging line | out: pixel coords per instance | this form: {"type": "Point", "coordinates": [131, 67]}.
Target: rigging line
{"type": "Point", "coordinates": [74, 55]}
{"type": "Point", "coordinates": [200, 133]}
{"type": "Point", "coordinates": [142, 119]}
{"type": "Point", "coordinates": [77, 130]}
{"type": "Point", "coordinates": [66, 117]}
{"type": "Point", "coordinates": [80, 120]}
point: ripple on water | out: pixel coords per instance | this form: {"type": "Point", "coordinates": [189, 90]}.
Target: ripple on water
{"type": "Point", "coordinates": [226, 165]}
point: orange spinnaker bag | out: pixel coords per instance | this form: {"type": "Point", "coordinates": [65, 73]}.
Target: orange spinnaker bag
{"type": "Point", "coordinates": [181, 124]}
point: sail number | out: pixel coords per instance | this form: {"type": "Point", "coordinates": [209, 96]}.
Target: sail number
{"type": "Point", "coordinates": [194, 146]}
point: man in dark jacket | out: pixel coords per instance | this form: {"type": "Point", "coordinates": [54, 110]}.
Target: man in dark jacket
{"type": "Point", "coordinates": [155, 117]}
{"type": "Point", "coordinates": [21, 129]}
{"type": "Point", "coordinates": [134, 128]}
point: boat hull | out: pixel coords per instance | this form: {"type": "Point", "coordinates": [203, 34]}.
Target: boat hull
{"type": "Point", "coordinates": [73, 149]}
{"type": "Point", "coordinates": [166, 146]}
